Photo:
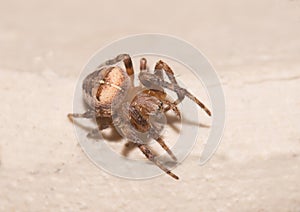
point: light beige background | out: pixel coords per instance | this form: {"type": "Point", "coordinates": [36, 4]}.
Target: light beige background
{"type": "Point", "coordinates": [255, 48]}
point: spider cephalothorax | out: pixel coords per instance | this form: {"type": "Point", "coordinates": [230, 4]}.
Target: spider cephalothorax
{"type": "Point", "coordinates": [112, 99]}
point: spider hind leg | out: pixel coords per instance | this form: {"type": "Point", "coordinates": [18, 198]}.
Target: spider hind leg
{"type": "Point", "coordinates": [150, 155]}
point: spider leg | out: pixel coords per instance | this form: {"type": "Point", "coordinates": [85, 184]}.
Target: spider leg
{"type": "Point", "coordinates": [188, 94]}
{"type": "Point", "coordinates": [126, 60]}
{"type": "Point", "coordinates": [128, 64]}
{"type": "Point", "coordinates": [88, 114]}
{"type": "Point", "coordinates": [143, 64]}
{"type": "Point", "coordinates": [155, 135]}
{"type": "Point", "coordinates": [149, 80]}
{"type": "Point", "coordinates": [150, 155]}
{"type": "Point", "coordinates": [197, 101]}
{"type": "Point", "coordinates": [162, 66]}
{"type": "Point", "coordinates": [102, 123]}
{"type": "Point", "coordinates": [166, 148]}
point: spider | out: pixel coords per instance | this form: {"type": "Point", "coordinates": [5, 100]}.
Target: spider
{"type": "Point", "coordinates": [108, 86]}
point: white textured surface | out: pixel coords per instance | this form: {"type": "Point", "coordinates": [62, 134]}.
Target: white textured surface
{"type": "Point", "coordinates": [255, 48]}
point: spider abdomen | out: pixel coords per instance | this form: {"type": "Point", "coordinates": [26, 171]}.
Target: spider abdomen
{"type": "Point", "coordinates": [103, 86]}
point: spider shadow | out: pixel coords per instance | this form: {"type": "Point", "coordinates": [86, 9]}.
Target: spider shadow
{"type": "Point", "coordinates": [173, 120]}
{"type": "Point", "coordinates": [165, 158]}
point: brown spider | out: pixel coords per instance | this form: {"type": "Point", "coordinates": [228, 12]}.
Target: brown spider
{"type": "Point", "coordinates": [108, 86]}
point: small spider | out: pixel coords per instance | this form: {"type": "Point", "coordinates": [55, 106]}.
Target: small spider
{"type": "Point", "coordinates": [108, 86]}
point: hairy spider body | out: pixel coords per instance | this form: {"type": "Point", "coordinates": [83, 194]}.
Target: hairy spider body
{"type": "Point", "coordinates": [141, 108]}
{"type": "Point", "coordinates": [113, 100]}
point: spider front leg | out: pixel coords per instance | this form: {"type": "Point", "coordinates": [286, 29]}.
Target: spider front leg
{"type": "Point", "coordinates": [158, 71]}
{"type": "Point", "coordinates": [152, 157]}
{"type": "Point", "coordinates": [159, 91]}
{"type": "Point", "coordinates": [151, 80]}
{"type": "Point", "coordinates": [185, 92]}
